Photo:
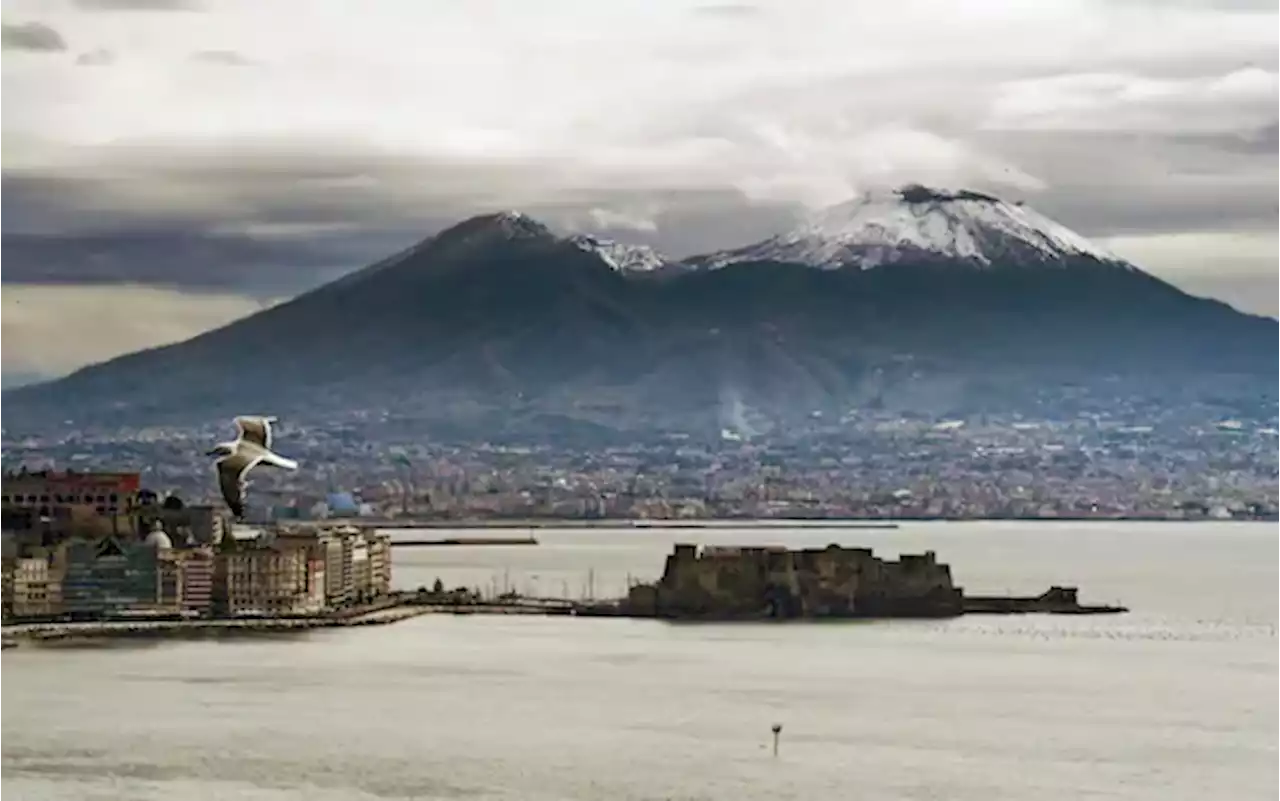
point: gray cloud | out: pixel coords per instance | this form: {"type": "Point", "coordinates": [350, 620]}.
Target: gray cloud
{"type": "Point", "coordinates": [731, 10]}
{"type": "Point", "coordinates": [99, 57]}
{"type": "Point", "coordinates": [1249, 6]}
{"type": "Point", "coordinates": [1260, 141]}
{"type": "Point", "coordinates": [1131, 119]}
{"type": "Point", "coordinates": [139, 5]}
{"type": "Point", "coordinates": [32, 36]}
{"type": "Point", "coordinates": [288, 215]}
{"type": "Point", "coordinates": [51, 330]}
{"type": "Point", "coordinates": [1110, 184]}
{"type": "Point", "coordinates": [189, 260]}
{"type": "Point", "coordinates": [226, 58]}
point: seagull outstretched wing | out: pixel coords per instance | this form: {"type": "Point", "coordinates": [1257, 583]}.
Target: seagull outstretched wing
{"type": "Point", "coordinates": [231, 477]}
{"type": "Point", "coordinates": [255, 429]}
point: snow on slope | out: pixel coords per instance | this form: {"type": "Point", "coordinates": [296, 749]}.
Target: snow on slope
{"type": "Point", "coordinates": [623, 258]}
{"type": "Point", "coordinates": [884, 227]}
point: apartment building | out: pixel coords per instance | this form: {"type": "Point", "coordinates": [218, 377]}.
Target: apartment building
{"type": "Point", "coordinates": [269, 579]}
{"type": "Point", "coordinates": [7, 567]}
{"type": "Point", "coordinates": [35, 589]}
{"type": "Point", "coordinates": [196, 567]}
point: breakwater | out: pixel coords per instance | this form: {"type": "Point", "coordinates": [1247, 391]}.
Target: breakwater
{"type": "Point", "coordinates": [454, 541]}
{"type": "Point", "coordinates": [89, 631]}
{"type": "Point", "coordinates": [1055, 601]}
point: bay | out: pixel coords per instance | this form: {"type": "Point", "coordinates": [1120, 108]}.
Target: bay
{"type": "Point", "coordinates": [1176, 700]}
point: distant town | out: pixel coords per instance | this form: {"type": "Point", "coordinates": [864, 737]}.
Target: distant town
{"type": "Point", "coordinates": [1188, 467]}
{"type": "Point", "coordinates": [94, 546]}
{"type": "Point", "coordinates": [95, 554]}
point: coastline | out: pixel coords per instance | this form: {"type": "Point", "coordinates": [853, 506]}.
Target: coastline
{"type": "Point", "coordinates": [406, 606]}
{"type": "Point", "coordinates": [88, 632]}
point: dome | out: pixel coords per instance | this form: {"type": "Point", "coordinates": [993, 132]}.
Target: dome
{"type": "Point", "coordinates": [158, 539]}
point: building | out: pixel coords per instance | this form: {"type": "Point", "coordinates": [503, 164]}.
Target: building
{"type": "Point", "coordinates": [9, 564]}
{"type": "Point", "coordinates": [34, 588]}
{"type": "Point", "coordinates": [361, 569]}
{"type": "Point", "coordinates": [269, 576]}
{"type": "Point", "coordinates": [187, 525]}
{"type": "Point", "coordinates": [357, 564]}
{"type": "Point", "coordinates": [44, 506]}
{"type": "Point", "coordinates": [379, 564]}
{"type": "Point", "coordinates": [197, 567]}
{"type": "Point", "coordinates": [776, 582]}
{"type": "Point", "coordinates": [337, 566]}
{"type": "Point", "coordinates": [110, 577]}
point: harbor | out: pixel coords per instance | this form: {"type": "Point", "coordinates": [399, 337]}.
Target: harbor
{"type": "Point", "coordinates": [153, 568]}
{"type": "Point", "coordinates": [708, 584]}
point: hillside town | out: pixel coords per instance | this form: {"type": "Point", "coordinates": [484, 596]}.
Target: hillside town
{"type": "Point", "coordinates": [880, 467]}
{"type": "Point", "coordinates": [97, 546]}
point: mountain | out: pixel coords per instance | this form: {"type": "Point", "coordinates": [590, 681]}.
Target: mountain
{"type": "Point", "coordinates": [921, 300]}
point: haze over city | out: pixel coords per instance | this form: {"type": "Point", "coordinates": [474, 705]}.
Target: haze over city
{"type": "Point", "coordinates": [242, 152]}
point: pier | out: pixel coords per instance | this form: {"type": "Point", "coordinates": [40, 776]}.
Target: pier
{"type": "Point", "coordinates": [465, 541]}
{"type": "Point", "coordinates": [1054, 601]}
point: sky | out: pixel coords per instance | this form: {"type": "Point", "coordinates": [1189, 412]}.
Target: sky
{"type": "Point", "coordinates": [171, 165]}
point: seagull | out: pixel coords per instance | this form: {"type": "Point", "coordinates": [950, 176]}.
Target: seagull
{"type": "Point", "coordinates": [253, 445]}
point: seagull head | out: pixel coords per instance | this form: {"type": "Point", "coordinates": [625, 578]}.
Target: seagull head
{"type": "Point", "coordinates": [221, 449]}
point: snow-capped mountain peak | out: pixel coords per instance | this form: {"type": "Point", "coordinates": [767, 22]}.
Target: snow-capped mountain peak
{"type": "Point", "coordinates": [621, 257]}
{"type": "Point", "coordinates": [917, 222]}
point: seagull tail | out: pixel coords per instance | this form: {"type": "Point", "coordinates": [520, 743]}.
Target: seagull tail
{"type": "Point", "coordinates": [276, 460]}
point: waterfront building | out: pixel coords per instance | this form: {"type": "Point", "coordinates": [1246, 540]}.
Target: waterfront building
{"type": "Point", "coordinates": [379, 563]}
{"type": "Point", "coordinates": [337, 567]}
{"type": "Point", "coordinates": [7, 566]}
{"type": "Point", "coordinates": [196, 566]}
{"type": "Point", "coordinates": [361, 569]}
{"type": "Point", "coordinates": [110, 577]}
{"type": "Point", "coordinates": [357, 563]}
{"type": "Point", "coordinates": [268, 577]}
{"type": "Point", "coordinates": [34, 589]}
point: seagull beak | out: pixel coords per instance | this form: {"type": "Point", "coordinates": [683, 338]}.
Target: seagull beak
{"type": "Point", "coordinates": [213, 452]}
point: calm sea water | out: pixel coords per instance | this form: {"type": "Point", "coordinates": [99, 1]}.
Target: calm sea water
{"type": "Point", "coordinates": [1177, 700]}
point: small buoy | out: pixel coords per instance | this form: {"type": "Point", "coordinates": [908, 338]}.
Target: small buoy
{"type": "Point", "coordinates": [777, 730]}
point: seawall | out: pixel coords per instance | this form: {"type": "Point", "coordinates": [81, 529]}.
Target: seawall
{"type": "Point", "coordinates": [89, 631]}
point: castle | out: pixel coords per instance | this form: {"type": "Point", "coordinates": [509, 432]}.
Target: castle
{"type": "Point", "coordinates": [774, 582]}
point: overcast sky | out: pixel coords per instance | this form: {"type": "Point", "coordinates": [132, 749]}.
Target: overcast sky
{"type": "Point", "coordinates": [195, 159]}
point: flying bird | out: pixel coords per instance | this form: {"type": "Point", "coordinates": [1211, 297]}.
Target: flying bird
{"type": "Point", "coordinates": [252, 446]}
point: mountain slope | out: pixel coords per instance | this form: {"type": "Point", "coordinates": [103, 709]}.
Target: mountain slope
{"type": "Point", "coordinates": [937, 302]}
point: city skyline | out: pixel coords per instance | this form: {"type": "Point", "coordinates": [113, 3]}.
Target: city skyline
{"type": "Point", "coordinates": [1148, 127]}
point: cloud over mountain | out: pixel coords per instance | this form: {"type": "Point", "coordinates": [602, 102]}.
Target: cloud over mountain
{"type": "Point", "coordinates": [33, 36]}
{"type": "Point", "coordinates": [688, 126]}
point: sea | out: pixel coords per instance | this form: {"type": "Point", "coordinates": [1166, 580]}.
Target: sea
{"type": "Point", "coordinates": [1175, 700]}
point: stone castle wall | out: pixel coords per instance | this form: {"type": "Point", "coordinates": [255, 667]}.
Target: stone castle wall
{"type": "Point", "coordinates": [776, 582]}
